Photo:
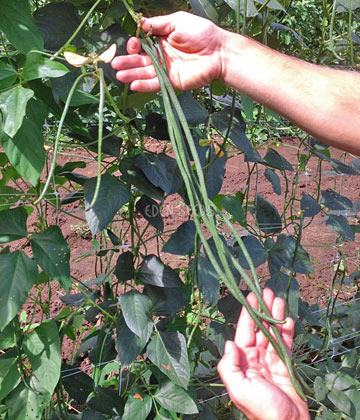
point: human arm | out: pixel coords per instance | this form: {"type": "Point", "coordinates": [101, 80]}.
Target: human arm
{"type": "Point", "coordinates": [324, 102]}
{"type": "Point", "coordinates": [257, 380]}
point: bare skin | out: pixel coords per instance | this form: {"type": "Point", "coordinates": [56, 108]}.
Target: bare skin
{"type": "Point", "coordinates": [257, 380]}
{"type": "Point", "coordinates": [322, 101]}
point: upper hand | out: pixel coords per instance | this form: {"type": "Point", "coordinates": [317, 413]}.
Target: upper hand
{"type": "Point", "coordinates": [257, 380]}
{"type": "Point", "coordinates": [192, 50]}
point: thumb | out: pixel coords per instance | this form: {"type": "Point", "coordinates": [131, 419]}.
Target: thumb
{"type": "Point", "coordinates": [159, 25]}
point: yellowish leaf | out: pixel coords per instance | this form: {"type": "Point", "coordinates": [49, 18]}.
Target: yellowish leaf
{"type": "Point", "coordinates": [107, 55]}
{"type": "Point", "coordinates": [76, 60]}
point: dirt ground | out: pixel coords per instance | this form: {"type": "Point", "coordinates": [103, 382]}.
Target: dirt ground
{"type": "Point", "coordinates": [313, 289]}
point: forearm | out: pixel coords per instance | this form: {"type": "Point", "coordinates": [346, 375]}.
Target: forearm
{"type": "Point", "coordinates": [322, 101]}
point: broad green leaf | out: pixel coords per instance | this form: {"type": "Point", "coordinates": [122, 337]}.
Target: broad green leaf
{"type": "Point", "coordinates": [13, 107]}
{"type": "Point", "coordinates": [78, 386]}
{"type": "Point", "coordinates": [37, 66]}
{"type": "Point", "coordinates": [124, 269]}
{"type": "Point", "coordinates": [183, 240]}
{"type": "Point", "coordinates": [43, 349]}
{"type": "Point", "coordinates": [340, 381]}
{"type": "Point", "coordinates": [283, 253]}
{"type": "Point", "coordinates": [92, 415]}
{"type": "Point", "coordinates": [136, 308]}
{"type": "Point", "coordinates": [56, 23]}
{"type": "Point", "coordinates": [26, 151]}
{"type": "Point", "coordinates": [7, 338]}
{"type": "Point", "coordinates": [168, 352]}
{"type": "Point", "coordinates": [27, 403]}
{"type": "Point", "coordinates": [17, 275]}
{"type": "Point", "coordinates": [104, 347]}
{"type": "Point", "coordinates": [161, 170]}
{"type": "Point", "coordinates": [274, 159]}
{"type": "Point", "coordinates": [342, 168]}
{"type": "Point", "coordinates": [272, 4]}
{"type": "Point", "coordinates": [234, 206]}
{"type": "Point", "coordinates": [219, 334]}
{"type": "Point", "coordinates": [52, 253]}
{"type": "Point", "coordinates": [107, 401]}
{"type": "Point", "coordinates": [137, 408]}
{"type": "Point", "coordinates": [153, 271]}
{"type": "Point", "coordinates": [230, 308]}
{"type": "Point", "coordinates": [112, 196]}
{"type": "Point", "coordinates": [19, 26]}
{"type": "Point", "coordinates": [274, 179]}
{"type": "Point", "coordinates": [139, 100]}
{"type": "Point", "coordinates": [334, 200]}
{"type": "Point", "coordinates": [250, 7]}
{"type": "Point", "coordinates": [174, 398]}
{"type": "Point", "coordinates": [340, 400]}
{"type": "Point", "coordinates": [13, 224]}
{"type": "Point", "coordinates": [254, 248]}
{"type": "Point", "coordinates": [80, 98]}
{"type": "Point", "coordinates": [128, 344]}
{"type": "Point", "coordinates": [166, 301]}
{"type": "Point", "coordinates": [136, 177]}
{"type": "Point", "coordinates": [309, 206]}
{"type": "Point", "coordinates": [320, 388]}
{"type": "Point", "coordinates": [156, 126]}
{"type": "Point", "coordinates": [193, 111]}
{"type": "Point", "coordinates": [340, 225]}
{"type": "Point", "coordinates": [346, 5]}
{"type": "Point", "coordinates": [221, 120]}
{"type": "Point", "coordinates": [9, 373]}
{"type": "Point", "coordinates": [151, 211]}
{"type": "Point", "coordinates": [205, 9]}
{"type": "Point", "coordinates": [8, 75]}
{"type": "Point", "coordinates": [267, 216]}
{"type": "Point", "coordinates": [208, 280]}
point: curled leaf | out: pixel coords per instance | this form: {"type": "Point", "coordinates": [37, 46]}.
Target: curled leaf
{"type": "Point", "coordinates": [108, 55]}
{"type": "Point", "coordinates": [76, 60]}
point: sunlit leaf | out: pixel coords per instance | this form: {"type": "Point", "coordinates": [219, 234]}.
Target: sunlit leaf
{"type": "Point", "coordinates": [137, 408]}
{"type": "Point", "coordinates": [153, 271]}
{"type": "Point", "coordinates": [108, 55]}
{"type": "Point", "coordinates": [76, 60]}
{"type": "Point", "coordinates": [174, 398]}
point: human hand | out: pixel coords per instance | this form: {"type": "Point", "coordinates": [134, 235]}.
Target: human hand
{"type": "Point", "coordinates": [192, 50]}
{"type": "Point", "coordinates": [257, 380]}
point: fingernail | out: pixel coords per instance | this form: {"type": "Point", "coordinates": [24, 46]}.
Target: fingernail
{"type": "Point", "coordinates": [228, 347]}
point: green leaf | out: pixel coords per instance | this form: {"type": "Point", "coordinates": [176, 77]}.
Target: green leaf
{"type": "Point", "coordinates": [342, 168]}
{"type": "Point", "coordinates": [13, 224]}
{"type": "Point", "coordinates": [19, 26]}
{"type": "Point", "coordinates": [151, 211]}
{"type": "Point", "coordinates": [273, 4]}
{"type": "Point", "coordinates": [274, 179]}
{"type": "Point", "coordinates": [334, 200]}
{"type": "Point", "coordinates": [219, 334]}
{"type": "Point", "coordinates": [234, 206]}
{"type": "Point", "coordinates": [78, 386]}
{"type": "Point", "coordinates": [25, 404]}
{"type": "Point", "coordinates": [13, 107]}
{"type": "Point", "coordinates": [320, 388]}
{"type": "Point", "coordinates": [182, 241]}
{"type": "Point", "coordinates": [254, 248]}
{"type": "Point", "coordinates": [37, 66]}
{"type": "Point", "coordinates": [309, 206]}
{"type": "Point", "coordinates": [7, 338]}
{"type": "Point", "coordinates": [274, 159]}
{"type": "Point", "coordinates": [25, 151]}
{"type": "Point", "coordinates": [267, 216]}
{"type": "Point", "coordinates": [193, 111]}
{"type": "Point", "coordinates": [161, 170]}
{"type": "Point", "coordinates": [166, 301]}
{"type": "Point", "coordinates": [174, 398]}
{"type": "Point", "coordinates": [17, 275]}
{"type": "Point", "coordinates": [128, 344]}
{"type": "Point", "coordinates": [340, 224]}
{"type": "Point", "coordinates": [52, 253]}
{"type": "Point", "coordinates": [207, 279]}
{"type": "Point", "coordinates": [251, 10]}
{"type": "Point", "coordinates": [112, 196]}
{"type": "Point", "coordinates": [107, 401]}
{"type": "Point", "coordinates": [340, 400]}
{"type": "Point", "coordinates": [136, 177]}
{"type": "Point", "coordinates": [156, 126]}
{"type": "Point", "coordinates": [56, 23]}
{"type": "Point", "coordinates": [137, 408]}
{"type": "Point", "coordinates": [9, 373]}
{"type": "Point", "coordinates": [153, 271]}
{"type": "Point", "coordinates": [136, 308]}
{"type": "Point", "coordinates": [92, 415]}
{"type": "Point", "coordinates": [42, 347]}
{"type": "Point", "coordinates": [124, 269]}
{"type": "Point", "coordinates": [205, 9]}
{"type": "Point", "coordinates": [168, 352]}
{"type": "Point", "coordinates": [8, 75]}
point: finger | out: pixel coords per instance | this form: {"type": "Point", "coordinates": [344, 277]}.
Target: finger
{"type": "Point", "coordinates": [159, 25]}
{"type": "Point", "coordinates": [268, 298]}
{"type": "Point", "coordinates": [245, 331]}
{"type": "Point", "coordinates": [130, 61]}
{"type": "Point", "coordinates": [133, 46]}
{"type": "Point", "coordinates": [142, 73]}
{"type": "Point", "coordinates": [278, 312]}
{"type": "Point", "coordinates": [230, 362]}
{"type": "Point", "coordinates": [288, 334]}
{"type": "Point", "coordinates": [145, 86]}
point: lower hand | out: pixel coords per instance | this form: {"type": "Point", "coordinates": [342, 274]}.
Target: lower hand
{"type": "Point", "coordinates": [192, 49]}
{"type": "Point", "coordinates": [256, 378]}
